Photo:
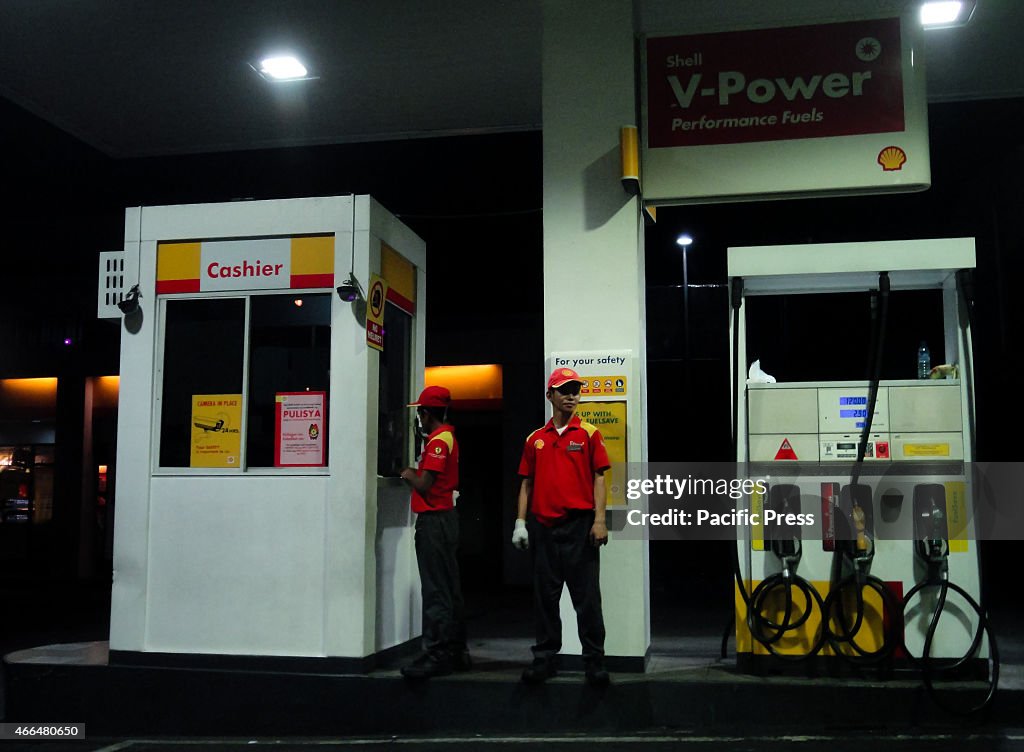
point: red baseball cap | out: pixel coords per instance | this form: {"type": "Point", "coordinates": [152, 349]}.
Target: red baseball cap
{"type": "Point", "coordinates": [562, 376]}
{"type": "Point", "coordinates": [433, 396]}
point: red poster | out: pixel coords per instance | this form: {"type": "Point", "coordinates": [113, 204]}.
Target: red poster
{"type": "Point", "coordinates": [775, 84]}
{"type": "Point", "coordinates": [300, 429]}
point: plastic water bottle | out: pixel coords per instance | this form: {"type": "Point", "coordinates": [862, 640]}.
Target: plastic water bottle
{"type": "Point", "coordinates": [924, 360]}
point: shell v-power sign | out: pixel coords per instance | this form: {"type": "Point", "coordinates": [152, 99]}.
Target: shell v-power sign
{"type": "Point", "coordinates": [805, 110]}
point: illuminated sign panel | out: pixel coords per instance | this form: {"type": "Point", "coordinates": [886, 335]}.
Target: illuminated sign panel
{"type": "Point", "coordinates": [804, 110]}
{"type": "Point", "coordinates": [249, 264]}
{"type": "Point", "coordinates": [773, 84]}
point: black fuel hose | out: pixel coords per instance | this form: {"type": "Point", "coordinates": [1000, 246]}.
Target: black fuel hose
{"type": "Point", "coordinates": [769, 632]}
{"type": "Point", "coordinates": [878, 337]}
{"type": "Point", "coordinates": [735, 299]}
{"type": "Point", "coordinates": [843, 638]}
{"type": "Point", "coordinates": [932, 666]}
{"type": "Point", "coordinates": [762, 628]}
{"type": "Point", "coordinates": [965, 284]}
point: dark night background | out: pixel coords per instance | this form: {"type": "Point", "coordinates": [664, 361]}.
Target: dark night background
{"type": "Point", "coordinates": [476, 201]}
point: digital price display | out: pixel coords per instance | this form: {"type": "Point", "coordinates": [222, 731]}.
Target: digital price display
{"type": "Point", "coordinates": [856, 407]}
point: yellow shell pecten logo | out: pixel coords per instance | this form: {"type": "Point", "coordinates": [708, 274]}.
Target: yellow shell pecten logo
{"type": "Point", "coordinates": [538, 444]}
{"type": "Point", "coordinates": [566, 372]}
{"type": "Point", "coordinates": [892, 158]}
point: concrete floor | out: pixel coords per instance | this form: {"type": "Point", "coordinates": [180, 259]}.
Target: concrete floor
{"type": "Point", "coordinates": [73, 618]}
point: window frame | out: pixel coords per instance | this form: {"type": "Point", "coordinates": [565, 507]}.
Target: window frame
{"type": "Point", "coordinates": [409, 448]}
{"type": "Point", "coordinates": [243, 469]}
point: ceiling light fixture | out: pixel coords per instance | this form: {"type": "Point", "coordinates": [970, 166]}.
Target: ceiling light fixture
{"type": "Point", "coordinates": [282, 68]}
{"type": "Point", "coordinates": [943, 14]}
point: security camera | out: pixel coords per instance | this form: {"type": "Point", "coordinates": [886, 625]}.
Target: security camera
{"type": "Point", "coordinates": [130, 304]}
{"type": "Point", "coordinates": [349, 290]}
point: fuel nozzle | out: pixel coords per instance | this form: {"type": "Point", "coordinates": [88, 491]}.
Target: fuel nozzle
{"type": "Point", "coordinates": [856, 523]}
{"type": "Point", "coordinates": [864, 547]}
{"type": "Point", "coordinates": [931, 531]}
{"type": "Point", "coordinates": [790, 557]}
{"type": "Point", "coordinates": [934, 548]}
{"type": "Point", "coordinates": [786, 538]}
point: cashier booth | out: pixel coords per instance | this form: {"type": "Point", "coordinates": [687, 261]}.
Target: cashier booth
{"type": "Point", "coordinates": [262, 424]}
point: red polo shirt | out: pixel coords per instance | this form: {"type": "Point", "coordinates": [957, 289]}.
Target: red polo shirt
{"type": "Point", "coordinates": [440, 455]}
{"type": "Point", "coordinates": [563, 468]}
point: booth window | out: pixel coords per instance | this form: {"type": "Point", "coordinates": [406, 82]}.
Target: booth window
{"type": "Point", "coordinates": [394, 417]}
{"type": "Point", "coordinates": [204, 343]}
{"type": "Point", "coordinates": [289, 351]}
{"type": "Point", "coordinates": [285, 339]}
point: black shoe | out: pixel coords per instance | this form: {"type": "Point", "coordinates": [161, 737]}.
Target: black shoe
{"type": "Point", "coordinates": [461, 661]}
{"type": "Point", "coordinates": [428, 665]}
{"type": "Point", "coordinates": [597, 675]}
{"type": "Point", "coordinates": [539, 671]}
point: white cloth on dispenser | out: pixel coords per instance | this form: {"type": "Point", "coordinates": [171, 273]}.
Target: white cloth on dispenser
{"type": "Point", "coordinates": [757, 376]}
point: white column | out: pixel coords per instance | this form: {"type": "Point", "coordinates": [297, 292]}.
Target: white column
{"type": "Point", "coordinates": [593, 253]}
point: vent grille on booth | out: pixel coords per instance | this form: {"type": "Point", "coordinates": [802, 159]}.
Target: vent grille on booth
{"type": "Point", "coordinates": [111, 285]}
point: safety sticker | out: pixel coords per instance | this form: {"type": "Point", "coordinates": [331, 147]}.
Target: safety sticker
{"type": "Point", "coordinates": [785, 451]}
{"type": "Point", "coordinates": [926, 450]}
{"type": "Point", "coordinates": [594, 386]}
{"type": "Point", "coordinates": [757, 513]}
{"type": "Point", "coordinates": [956, 516]}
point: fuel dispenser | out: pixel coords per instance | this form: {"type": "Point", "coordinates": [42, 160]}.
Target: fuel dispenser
{"type": "Point", "coordinates": [875, 471]}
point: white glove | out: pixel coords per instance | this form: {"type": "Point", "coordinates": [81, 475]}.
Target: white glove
{"type": "Point", "coordinates": [521, 538]}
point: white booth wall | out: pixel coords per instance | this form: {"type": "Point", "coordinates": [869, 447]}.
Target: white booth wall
{"type": "Point", "coordinates": [269, 561]}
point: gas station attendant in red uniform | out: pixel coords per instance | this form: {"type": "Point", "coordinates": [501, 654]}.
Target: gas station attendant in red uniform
{"type": "Point", "coordinates": [563, 488]}
{"type": "Point", "coordinates": [434, 485]}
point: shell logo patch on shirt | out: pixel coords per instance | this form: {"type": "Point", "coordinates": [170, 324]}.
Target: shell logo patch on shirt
{"type": "Point", "coordinates": [538, 444]}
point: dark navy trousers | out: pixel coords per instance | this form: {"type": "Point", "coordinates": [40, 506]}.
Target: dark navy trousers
{"type": "Point", "coordinates": [437, 542]}
{"type": "Point", "coordinates": [563, 555]}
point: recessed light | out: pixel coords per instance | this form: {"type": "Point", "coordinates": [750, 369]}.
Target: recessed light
{"type": "Point", "coordinates": [283, 68]}
{"type": "Point", "coordinates": [941, 14]}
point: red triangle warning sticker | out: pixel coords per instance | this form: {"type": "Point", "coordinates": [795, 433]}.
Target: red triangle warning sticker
{"type": "Point", "coordinates": [785, 451]}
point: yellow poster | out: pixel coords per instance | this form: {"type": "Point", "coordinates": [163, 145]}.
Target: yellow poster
{"type": "Point", "coordinates": [610, 420]}
{"type": "Point", "coordinates": [216, 430]}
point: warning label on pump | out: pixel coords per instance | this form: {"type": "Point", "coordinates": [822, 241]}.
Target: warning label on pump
{"type": "Point", "coordinates": [785, 451]}
{"type": "Point", "coordinates": [926, 450]}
